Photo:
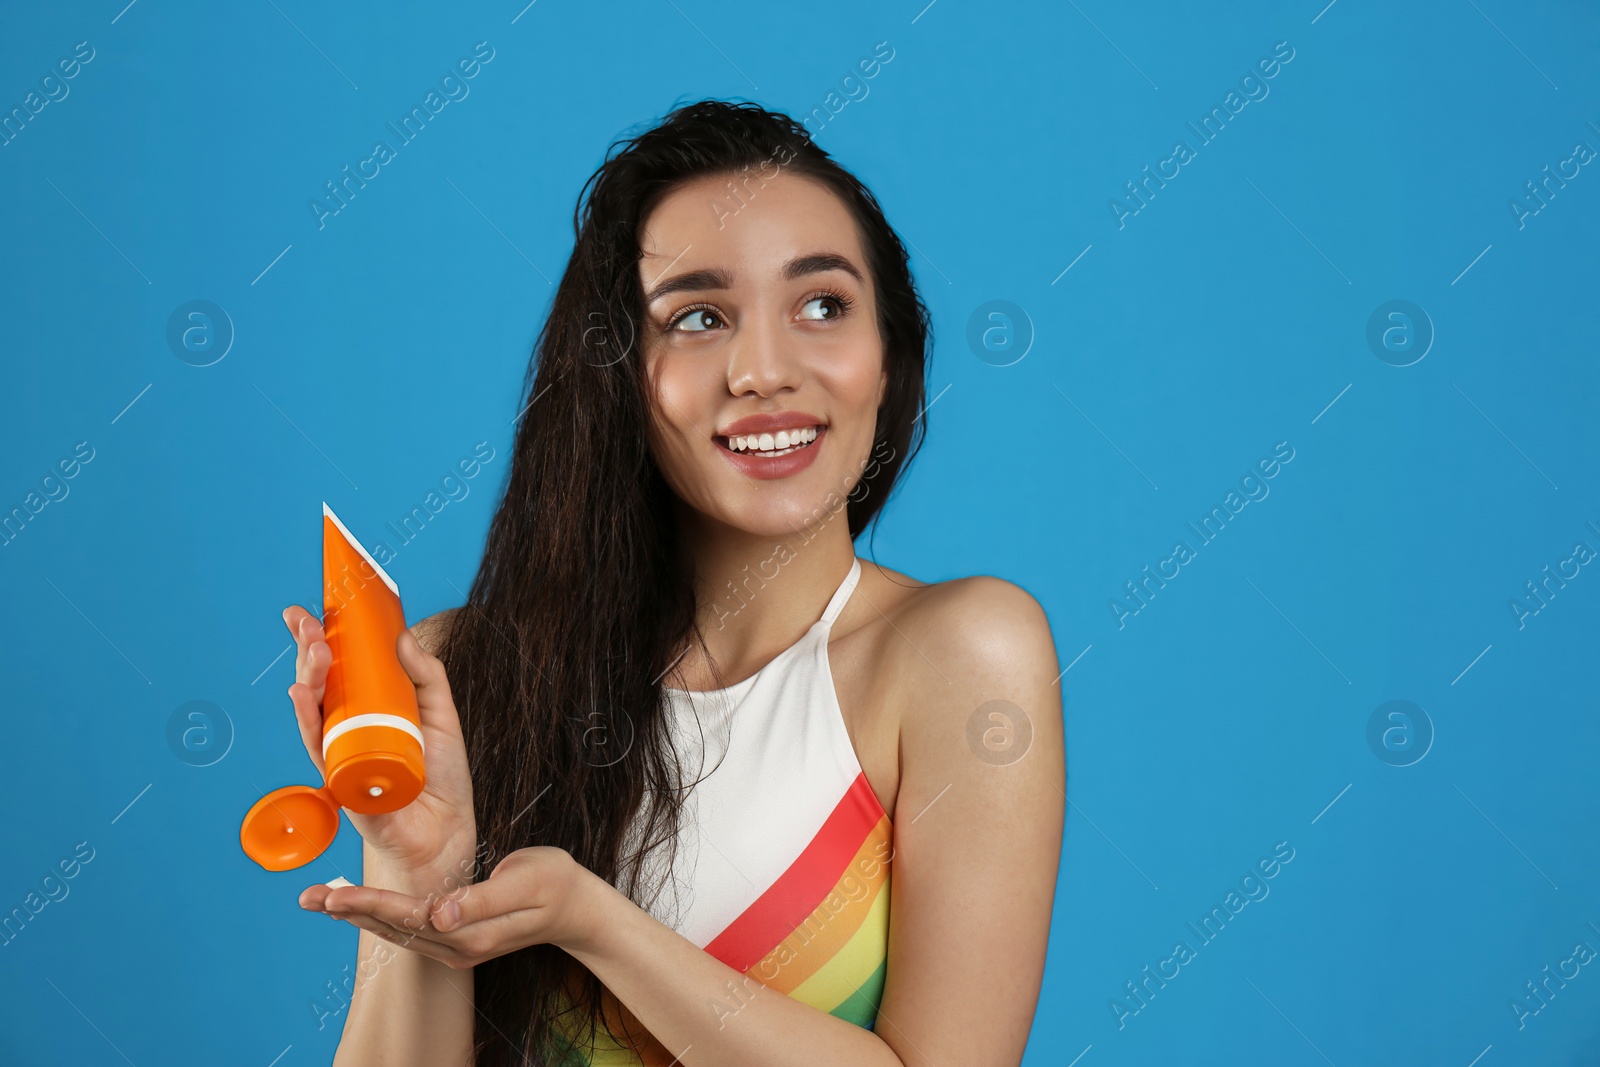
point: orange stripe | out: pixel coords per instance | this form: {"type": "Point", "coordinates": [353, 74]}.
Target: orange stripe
{"type": "Point", "coordinates": [796, 958]}
{"type": "Point", "coordinates": [786, 903]}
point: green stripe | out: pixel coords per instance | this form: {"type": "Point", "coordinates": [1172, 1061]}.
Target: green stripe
{"type": "Point", "coordinates": [861, 1007]}
{"type": "Point", "coordinates": [566, 1054]}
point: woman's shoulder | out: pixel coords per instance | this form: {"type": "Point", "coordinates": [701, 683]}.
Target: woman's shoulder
{"type": "Point", "coordinates": [969, 658]}
{"type": "Point", "coordinates": [980, 625]}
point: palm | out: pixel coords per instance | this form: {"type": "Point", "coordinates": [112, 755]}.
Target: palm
{"type": "Point", "coordinates": [417, 833]}
{"type": "Point", "coordinates": [440, 819]}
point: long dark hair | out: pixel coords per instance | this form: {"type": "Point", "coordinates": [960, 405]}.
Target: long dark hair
{"type": "Point", "coordinates": [587, 593]}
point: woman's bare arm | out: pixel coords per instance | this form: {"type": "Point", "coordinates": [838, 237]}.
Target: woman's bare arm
{"type": "Point", "coordinates": [698, 1011]}
{"type": "Point", "coordinates": [407, 1010]}
{"type": "Point", "coordinates": [980, 811]}
{"type": "Point", "coordinates": [978, 828]}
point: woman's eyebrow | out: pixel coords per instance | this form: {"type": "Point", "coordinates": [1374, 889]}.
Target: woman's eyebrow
{"type": "Point", "coordinates": [816, 263]}
{"type": "Point", "coordinates": [691, 281]}
{"type": "Point", "coordinates": [717, 278]}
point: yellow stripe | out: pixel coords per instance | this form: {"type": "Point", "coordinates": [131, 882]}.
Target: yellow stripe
{"type": "Point", "coordinates": [821, 936]}
{"type": "Point", "coordinates": [854, 963]}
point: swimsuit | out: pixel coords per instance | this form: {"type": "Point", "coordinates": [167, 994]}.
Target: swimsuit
{"type": "Point", "coordinates": [782, 870]}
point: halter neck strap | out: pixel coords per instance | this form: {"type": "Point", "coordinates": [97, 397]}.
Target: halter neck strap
{"type": "Point", "coordinates": [842, 594]}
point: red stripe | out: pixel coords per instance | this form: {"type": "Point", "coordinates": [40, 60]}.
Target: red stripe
{"type": "Point", "coordinates": [779, 911]}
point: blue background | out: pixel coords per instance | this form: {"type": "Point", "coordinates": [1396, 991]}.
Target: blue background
{"type": "Point", "coordinates": [1229, 314]}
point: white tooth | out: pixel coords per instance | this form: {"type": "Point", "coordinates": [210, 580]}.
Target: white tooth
{"type": "Point", "coordinates": [782, 441]}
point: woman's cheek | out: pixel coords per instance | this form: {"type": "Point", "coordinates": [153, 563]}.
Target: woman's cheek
{"type": "Point", "coordinates": [674, 437]}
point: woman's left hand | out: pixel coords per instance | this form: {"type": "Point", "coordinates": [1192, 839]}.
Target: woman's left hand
{"type": "Point", "coordinates": [534, 896]}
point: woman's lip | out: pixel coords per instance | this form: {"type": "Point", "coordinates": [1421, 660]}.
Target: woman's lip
{"type": "Point", "coordinates": [771, 422]}
{"type": "Point", "coordinates": [767, 467]}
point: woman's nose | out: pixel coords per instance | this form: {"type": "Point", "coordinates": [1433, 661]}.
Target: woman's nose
{"type": "Point", "coordinates": [762, 359]}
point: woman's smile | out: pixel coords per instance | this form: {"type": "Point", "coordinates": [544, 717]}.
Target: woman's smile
{"type": "Point", "coordinates": [775, 445]}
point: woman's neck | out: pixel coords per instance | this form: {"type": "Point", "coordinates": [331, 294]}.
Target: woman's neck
{"type": "Point", "coordinates": [758, 594]}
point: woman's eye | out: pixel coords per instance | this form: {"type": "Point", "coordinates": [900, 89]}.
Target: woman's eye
{"type": "Point", "coordinates": [695, 321]}
{"type": "Point", "coordinates": [818, 303]}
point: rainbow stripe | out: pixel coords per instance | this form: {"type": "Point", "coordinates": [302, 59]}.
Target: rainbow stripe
{"type": "Point", "coordinates": [819, 933]}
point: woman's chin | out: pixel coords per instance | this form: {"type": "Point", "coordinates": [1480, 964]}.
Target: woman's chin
{"type": "Point", "coordinates": [787, 519]}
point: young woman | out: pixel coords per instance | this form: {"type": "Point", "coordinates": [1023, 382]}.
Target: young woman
{"type": "Point", "coordinates": [680, 742]}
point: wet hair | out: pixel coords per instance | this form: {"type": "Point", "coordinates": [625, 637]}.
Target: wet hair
{"type": "Point", "coordinates": [585, 596]}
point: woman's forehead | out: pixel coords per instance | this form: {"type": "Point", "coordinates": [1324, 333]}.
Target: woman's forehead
{"type": "Point", "coordinates": [721, 219]}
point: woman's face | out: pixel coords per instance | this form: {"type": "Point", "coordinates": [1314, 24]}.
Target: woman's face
{"type": "Point", "coordinates": [761, 345]}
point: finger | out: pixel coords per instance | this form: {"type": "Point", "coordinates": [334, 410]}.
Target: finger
{"type": "Point", "coordinates": [402, 939]}
{"type": "Point", "coordinates": [405, 921]}
{"type": "Point", "coordinates": [512, 891]}
{"type": "Point", "coordinates": [314, 656]}
{"type": "Point", "coordinates": [495, 935]}
{"type": "Point", "coordinates": [406, 915]}
{"type": "Point", "coordinates": [399, 910]}
{"type": "Point", "coordinates": [311, 897]}
{"type": "Point", "coordinates": [291, 618]}
{"type": "Point", "coordinates": [308, 715]}
{"type": "Point", "coordinates": [435, 705]}
{"type": "Point", "coordinates": [294, 616]}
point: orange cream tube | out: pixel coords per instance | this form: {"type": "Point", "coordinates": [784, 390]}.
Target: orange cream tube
{"type": "Point", "coordinates": [371, 731]}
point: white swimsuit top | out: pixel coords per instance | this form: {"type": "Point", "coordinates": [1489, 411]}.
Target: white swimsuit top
{"type": "Point", "coordinates": [782, 870]}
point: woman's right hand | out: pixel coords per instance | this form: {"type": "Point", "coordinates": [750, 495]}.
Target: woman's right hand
{"type": "Point", "coordinates": [434, 838]}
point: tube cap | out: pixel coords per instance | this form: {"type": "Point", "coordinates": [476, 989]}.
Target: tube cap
{"type": "Point", "coordinates": [375, 768]}
{"type": "Point", "coordinates": [289, 827]}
